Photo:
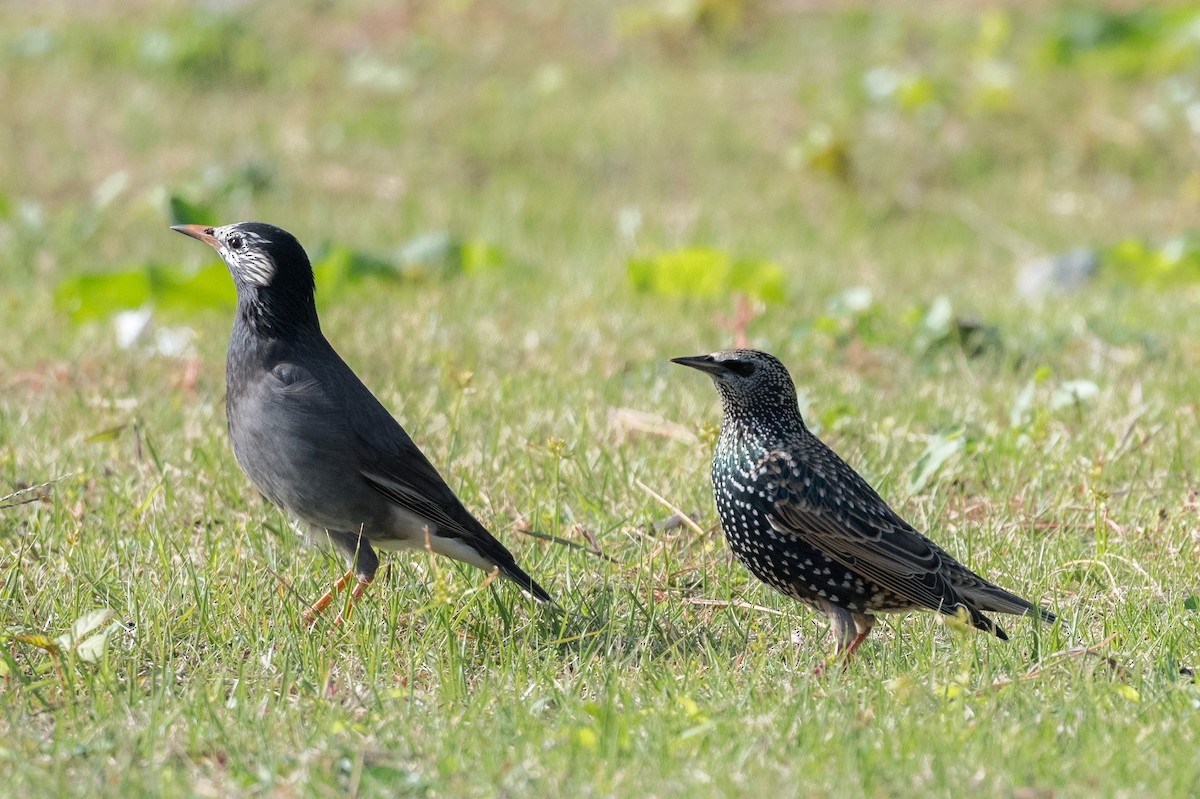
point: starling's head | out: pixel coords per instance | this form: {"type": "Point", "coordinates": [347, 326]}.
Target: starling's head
{"type": "Point", "coordinates": [272, 274]}
{"type": "Point", "coordinates": [749, 381]}
{"type": "Point", "coordinates": [259, 256]}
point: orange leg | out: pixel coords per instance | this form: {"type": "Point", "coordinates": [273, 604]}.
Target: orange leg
{"type": "Point", "coordinates": [354, 597]}
{"type": "Point", "coordinates": [310, 615]}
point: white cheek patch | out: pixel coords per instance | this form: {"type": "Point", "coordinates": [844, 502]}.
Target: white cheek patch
{"type": "Point", "coordinates": [256, 269]}
{"type": "Point", "coordinates": [249, 262]}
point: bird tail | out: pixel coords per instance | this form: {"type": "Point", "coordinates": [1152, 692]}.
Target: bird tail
{"type": "Point", "coordinates": [979, 621]}
{"type": "Point", "coordinates": [517, 575]}
{"type": "Point", "coordinates": [481, 549]}
{"type": "Point", "coordinates": [995, 599]}
{"type": "Point", "coordinates": [497, 556]}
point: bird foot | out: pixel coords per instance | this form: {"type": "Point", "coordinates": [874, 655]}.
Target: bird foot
{"type": "Point", "coordinates": [844, 654]}
{"type": "Point", "coordinates": [309, 617]}
{"type": "Point", "coordinates": [354, 597]}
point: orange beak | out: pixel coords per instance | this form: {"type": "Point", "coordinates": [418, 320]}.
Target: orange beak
{"type": "Point", "coordinates": [197, 232]}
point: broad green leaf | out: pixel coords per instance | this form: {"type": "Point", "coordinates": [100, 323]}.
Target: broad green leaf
{"type": "Point", "coordinates": [479, 256]}
{"type": "Point", "coordinates": [210, 287]}
{"type": "Point", "coordinates": [914, 92]}
{"type": "Point", "coordinates": [1142, 264]}
{"type": "Point", "coordinates": [99, 294]}
{"type": "Point", "coordinates": [441, 253]}
{"type": "Point", "coordinates": [341, 265]}
{"type": "Point", "coordinates": [169, 288]}
{"type": "Point", "coordinates": [703, 272]}
{"type": "Point", "coordinates": [183, 212]}
{"type": "Point", "coordinates": [941, 449]}
{"type": "Point", "coordinates": [1147, 39]}
{"type": "Point", "coordinates": [690, 706]}
{"type": "Point", "coordinates": [691, 272]}
{"type": "Point", "coordinates": [761, 279]}
{"type": "Point", "coordinates": [951, 691]}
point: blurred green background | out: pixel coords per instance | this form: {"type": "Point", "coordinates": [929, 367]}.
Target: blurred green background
{"type": "Point", "coordinates": [968, 229]}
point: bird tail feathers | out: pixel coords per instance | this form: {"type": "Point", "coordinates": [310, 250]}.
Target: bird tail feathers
{"type": "Point", "coordinates": [517, 575]}
{"type": "Point", "coordinates": [979, 621]}
{"type": "Point", "coordinates": [485, 552]}
{"type": "Point", "coordinates": [994, 599]}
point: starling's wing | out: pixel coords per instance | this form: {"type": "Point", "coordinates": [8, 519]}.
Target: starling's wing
{"type": "Point", "coordinates": [386, 457]}
{"type": "Point", "coordinates": [406, 477]}
{"type": "Point", "coordinates": [393, 465]}
{"type": "Point", "coordinates": [824, 502]}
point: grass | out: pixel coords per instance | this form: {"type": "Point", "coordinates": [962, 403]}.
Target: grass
{"type": "Point", "coordinates": [538, 128]}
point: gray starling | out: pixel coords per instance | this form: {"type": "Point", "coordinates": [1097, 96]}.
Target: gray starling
{"type": "Point", "coordinates": [314, 439]}
{"type": "Point", "coordinates": [805, 523]}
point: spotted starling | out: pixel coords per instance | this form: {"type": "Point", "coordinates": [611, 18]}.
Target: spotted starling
{"type": "Point", "coordinates": [805, 523]}
{"type": "Point", "coordinates": [314, 439]}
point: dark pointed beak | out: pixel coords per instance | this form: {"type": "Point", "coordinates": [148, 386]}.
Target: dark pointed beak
{"type": "Point", "coordinates": [197, 232]}
{"type": "Point", "coordinates": [704, 363]}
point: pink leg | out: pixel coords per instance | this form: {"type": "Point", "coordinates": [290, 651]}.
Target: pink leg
{"type": "Point", "coordinates": [846, 649]}
{"type": "Point", "coordinates": [855, 644]}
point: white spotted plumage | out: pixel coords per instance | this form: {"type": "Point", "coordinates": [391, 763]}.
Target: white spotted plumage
{"type": "Point", "coordinates": [808, 525]}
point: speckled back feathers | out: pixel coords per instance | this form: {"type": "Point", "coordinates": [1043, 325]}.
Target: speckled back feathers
{"type": "Point", "coordinates": [808, 525]}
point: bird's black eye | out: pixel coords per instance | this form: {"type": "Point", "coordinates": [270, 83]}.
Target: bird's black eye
{"type": "Point", "coordinates": [741, 368]}
{"type": "Point", "coordinates": [234, 242]}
